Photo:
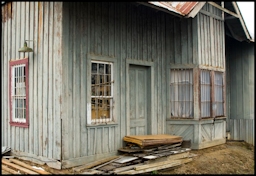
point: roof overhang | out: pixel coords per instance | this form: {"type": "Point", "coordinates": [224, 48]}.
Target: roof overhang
{"type": "Point", "coordinates": [234, 21]}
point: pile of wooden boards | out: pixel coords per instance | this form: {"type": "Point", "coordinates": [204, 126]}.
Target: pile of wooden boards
{"type": "Point", "coordinates": [142, 154]}
{"type": "Point", "coordinates": [15, 166]}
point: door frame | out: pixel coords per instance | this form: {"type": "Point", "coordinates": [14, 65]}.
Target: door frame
{"type": "Point", "coordinates": [149, 64]}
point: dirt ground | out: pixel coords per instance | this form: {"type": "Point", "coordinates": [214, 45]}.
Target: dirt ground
{"type": "Point", "coordinates": [231, 158]}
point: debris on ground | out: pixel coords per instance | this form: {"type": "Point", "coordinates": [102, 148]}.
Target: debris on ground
{"type": "Point", "coordinates": [143, 154]}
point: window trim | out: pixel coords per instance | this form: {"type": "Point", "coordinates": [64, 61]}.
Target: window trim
{"type": "Point", "coordinates": [212, 93]}
{"type": "Point", "coordinates": [13, 63]}
{"type": "Point", "coordinates": [96, 121]}
{"type": "Point", "coordinates": [100, 58]}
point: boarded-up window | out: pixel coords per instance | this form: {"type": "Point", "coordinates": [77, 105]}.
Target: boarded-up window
{"type": "Point", "coordinates": [19, 92]}
{"type": "Point", "coordinates": [181, 93]}
{"type": "Point", "coordinates": [101, 91]}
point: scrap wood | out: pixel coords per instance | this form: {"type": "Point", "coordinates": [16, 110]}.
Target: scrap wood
{"type": "Point", "coordinates": [92, 164]}
{"type": "Point", "coordinates": [125, 168]}
{"type": "Point", "coordinates": [147, 140]}
{"type": "Point", "coordinates": [28, 166]}
{"type": "Point", "coordinates": [92, 171]}
{"type": "Point", "coordinates": [150, 168]}
{"type": "Point", "coordinates": [107, 163]}
{"type": "Point", "coordinates": [168, 158]}
{"type": "Point", "coordinates": [10, 170]}
{"type": "Point", "coordinates": [18, 167]}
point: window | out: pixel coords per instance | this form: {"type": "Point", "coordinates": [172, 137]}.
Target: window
{"type": "Point", "coordinates": [101, 92]}
{"type": "Point", "coordinates": [205, 93]}
{"type": "Point", "coordinates": [181, 93]}
{"type": "Point", "coordinates": [212, 87]}
{"type": "Point", "coordinates": [19, 92]}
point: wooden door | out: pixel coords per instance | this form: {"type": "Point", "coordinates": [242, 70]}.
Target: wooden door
{"type": "Point", "coordinates": [139, 99]}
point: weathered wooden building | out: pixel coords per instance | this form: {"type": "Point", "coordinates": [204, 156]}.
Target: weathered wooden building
{"type": "Point", "coordinates": [102, 70]}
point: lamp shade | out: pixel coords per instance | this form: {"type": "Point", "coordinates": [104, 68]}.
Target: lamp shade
{"type": "Point", "coordinates": [25, 48]}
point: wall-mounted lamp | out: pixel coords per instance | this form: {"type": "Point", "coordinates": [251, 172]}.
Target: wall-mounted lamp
{"type": "Point", "coordinates": [25, 48]}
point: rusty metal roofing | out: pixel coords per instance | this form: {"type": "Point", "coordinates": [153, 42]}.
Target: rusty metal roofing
{"type": "Point", "coordinates": [182, 8]}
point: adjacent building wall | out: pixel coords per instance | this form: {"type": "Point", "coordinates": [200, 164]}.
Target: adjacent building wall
{"type": "Point", "coordinates": [41, 23]}
{"type": "Point", "coordinates": [240, 92]}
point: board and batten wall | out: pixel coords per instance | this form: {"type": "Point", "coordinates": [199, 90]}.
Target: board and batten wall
{"type": "Point", "coordinates": [241, 90]}
{"type": "Point", "coordinates": [122, 32]}
{"type": "Point", "coordinates": [41, 24]}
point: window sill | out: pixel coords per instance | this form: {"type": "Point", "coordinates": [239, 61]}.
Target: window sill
{"type": "Point", "coordinates": [101, 125]}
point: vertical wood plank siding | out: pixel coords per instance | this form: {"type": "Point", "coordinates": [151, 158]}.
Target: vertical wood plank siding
{"type": "Point", "coordinates": [211, 38]}
{"type": "Point", "coordinates": [123, 31]}
{"type": "Point", "coordinates": [240, 92]}
{"type": "Point", "coordinates": [62, 40]}
{"type": "Point", "coordinates": [33, 21]}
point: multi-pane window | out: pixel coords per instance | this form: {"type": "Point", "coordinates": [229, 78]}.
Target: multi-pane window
{"type": "Point", "coordinates": [218, 89]}
{"type": "Point", "coordinates": [212, 100]}
{"type": "Point", "coordinates": [205, 93]}
{"type": "Point", "coordinates": [101, 91]}
{"type": "Point", "coordinates": [181, 93]}
{"type": "Point", "coordinates": [19, 92]}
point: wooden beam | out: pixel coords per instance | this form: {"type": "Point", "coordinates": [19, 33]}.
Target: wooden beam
{"type": "Point", "coordinates": [149, 167]}
{"type": "Point", "coordinates": [10, 170]}
{"type": "Point", "coordinates": [223, 9]}
{"type": "Point", "coordinates": [241, 20]}
{"type": "Point", "coordinates": [19, 167]}
{"type": "Point", "coordinates": [29, 167]}
{"type": "Point", "coordinates": [96, 163]}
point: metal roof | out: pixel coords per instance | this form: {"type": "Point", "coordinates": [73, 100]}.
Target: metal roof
{"type": "Point", "coordinates": [182, 8]}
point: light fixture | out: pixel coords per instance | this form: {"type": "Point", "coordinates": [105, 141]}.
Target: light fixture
{"type": "Point", "coordinates": [25, 48]}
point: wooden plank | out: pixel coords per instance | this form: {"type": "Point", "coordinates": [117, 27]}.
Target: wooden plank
{"type": "Point", "coordinates": [58, 82]}
{"type": "Point", "coordinates": [92, 171]}
{"type": "Point", "coordinates": [28, 166]}
{"type": "Point", "coordinates": [35, 134]}
{"type": "Point", "coordinates": [40, 60]}
{"type": "Point", "coordinates": [50, 84]}
{"type": "Point", "coordinates": [18, 167]}
{"type": "Point", "coordinates": [45, 79]}
{"type": "Point", "coordinates": [30, 30]}
{"type": "Point", "coordinates": [125, 168]}
{"type": "Point", "coordinates": [158, 166]}
{"type": "Point", "coordinates": [106, 163]}
{"type": "Point", "coordinates": [9, 170]}
{"type": "Point", "coordinates": [96, 163]}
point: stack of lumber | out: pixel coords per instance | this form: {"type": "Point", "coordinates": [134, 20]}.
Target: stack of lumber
{"type": "Point", "coordinates": [152, 140]}
{"type": "Point", "coordinates": [142, 154]}
{"type": "Point", "coordinates": [15, 166]}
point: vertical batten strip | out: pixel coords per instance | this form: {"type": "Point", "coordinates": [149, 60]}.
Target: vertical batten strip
{"type": "Point", "coordinates": [35, 85]}
{"type": "Point", "coordinates": [50, 84]}
{"type": "Point", "coordinates": [45, 79]}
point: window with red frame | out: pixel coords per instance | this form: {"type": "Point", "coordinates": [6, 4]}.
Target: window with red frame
{"type": "Point", "coordinates": [19, 92]}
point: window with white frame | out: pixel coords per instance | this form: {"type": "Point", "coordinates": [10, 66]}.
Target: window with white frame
{"type": "Point", "coordinates": [101, 92]}
{"type": "Point", "coordinates": [181, 93]}
{"type": "Point", "coordinates": [19, 92]}
{"type": "Point", "coordinates": [212, 100]}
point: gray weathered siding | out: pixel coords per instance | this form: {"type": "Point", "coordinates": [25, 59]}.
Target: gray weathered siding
{"type": "Point", "coordinates": [122, 31]}
{"type": "Point", "coordinates": [240, 92]}
{"type": "Point", "coordinates": [42, 23]}
{"type": "Point", "coordinates": [211, 38]}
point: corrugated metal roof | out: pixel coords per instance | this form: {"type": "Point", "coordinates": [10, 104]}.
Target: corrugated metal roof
{"type": "Point", "coordinates": [182, 8]}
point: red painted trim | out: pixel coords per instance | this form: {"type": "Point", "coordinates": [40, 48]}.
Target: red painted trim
{"type": "Point", "coordinates": [11, 64]}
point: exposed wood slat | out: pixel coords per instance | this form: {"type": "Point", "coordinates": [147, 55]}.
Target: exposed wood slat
{"type": "Point", "coordinates": [28, 166]}
{"type": "Point", "coordinates": [9, 170]}
{"type": "Point", "coordinates": [19, 167]}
